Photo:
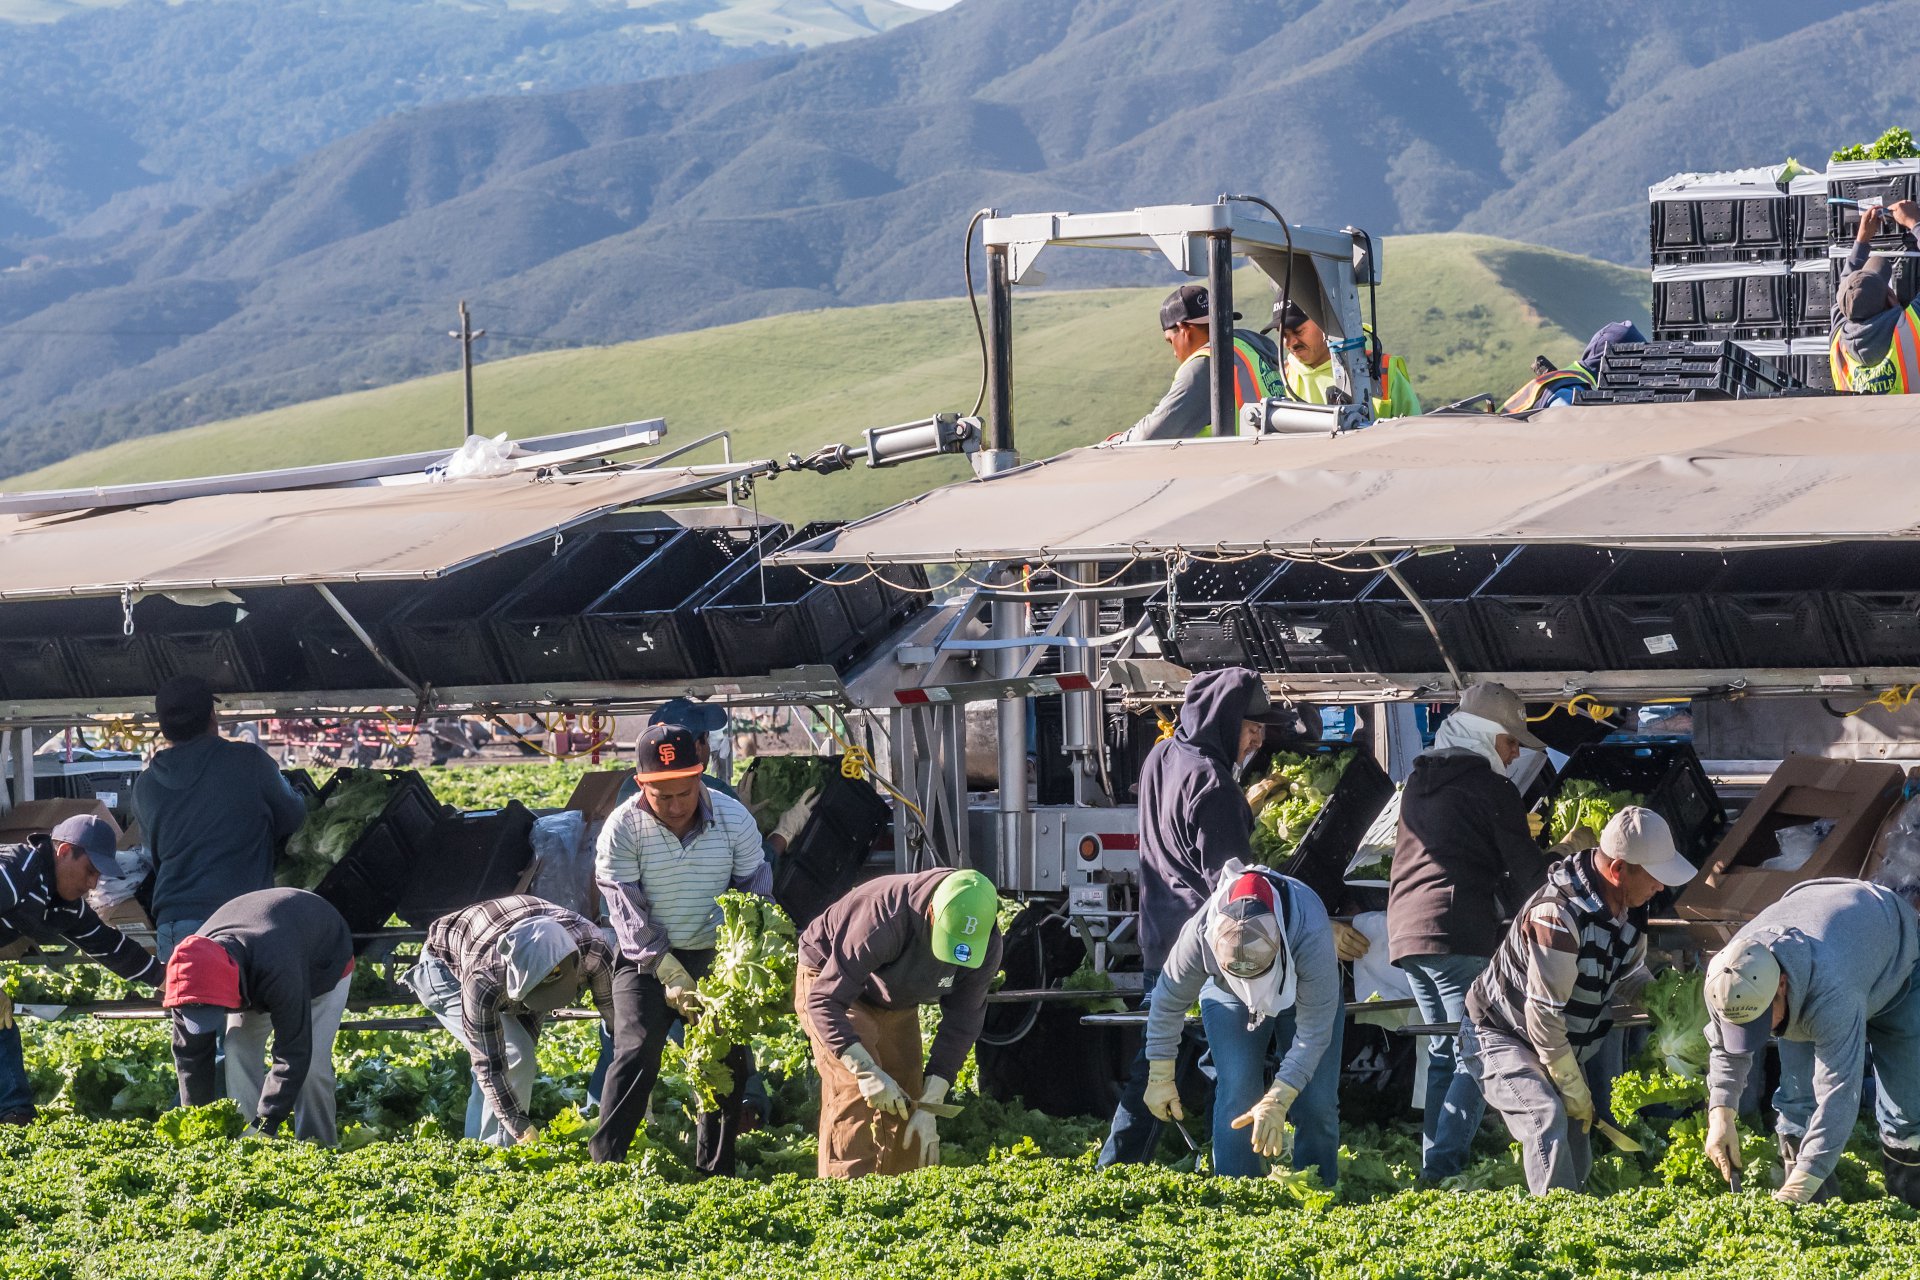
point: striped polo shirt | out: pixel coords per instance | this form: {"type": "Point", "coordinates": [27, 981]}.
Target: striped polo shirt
{"type": "Point", "coordinates": [681, 878]}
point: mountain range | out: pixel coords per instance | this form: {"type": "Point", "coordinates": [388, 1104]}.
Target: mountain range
{"type": "Point", "coordinates": [844, 175]}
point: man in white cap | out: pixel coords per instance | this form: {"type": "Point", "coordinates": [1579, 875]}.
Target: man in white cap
{"type": "Point", "coordinates": [1536, 1019]}
{"type": "Point", "coordinates": [491, 973]}
{"type": "Point", "coordinates": [43, 893]}
{"type": "Point", "coordinates": [1833, 970]}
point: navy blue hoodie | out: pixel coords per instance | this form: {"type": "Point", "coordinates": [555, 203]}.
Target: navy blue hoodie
{"type": "Point", "coordinates": [1192, 815]}
{"type": "Point", "coordinates": [212, 811]}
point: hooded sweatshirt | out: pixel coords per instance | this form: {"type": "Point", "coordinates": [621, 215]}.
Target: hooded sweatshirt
{"type": "Point", "coordinates": [212, 811]}
{"type": "Point", "coordinates": [1462, 861]}
{"type": "Point", "coordinates": [1869, 340]}
{"type": "Point", "coordinates": [1193, 817]}
{"type": "Point", "coordinates": [1849, 951]}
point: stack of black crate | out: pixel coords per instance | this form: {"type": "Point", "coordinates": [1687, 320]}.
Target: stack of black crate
{"type": "Point", "coordinates": [1724, 246]}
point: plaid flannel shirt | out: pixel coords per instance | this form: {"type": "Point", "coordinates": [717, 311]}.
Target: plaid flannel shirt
{"type": "Point", "coordinates": [468, 943]}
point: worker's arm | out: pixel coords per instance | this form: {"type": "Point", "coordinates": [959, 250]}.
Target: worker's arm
{"type": "Point", "coordinates": [1727, 1071]}
{"type": "Point", "coordinates": [1627, 990]}
{"type": "Point", "coordinates": [1552, 949]}
{"type": "Point", "coordinates": [1401, 400]}
{"type": "Point", "coordinates": [963, 1011]}
{"type": "Point", "coordinates": [289, 1007]}
{"type": "Point", "coordinates": [1222, 829]}
{"type": "Point", "coordinates": [596, 964]}
{"type": "Point", "coordinates": [1181, 978]}
{"type": "Point", "coordinates": [1184, 411]}
{"type": "Point", "coordinates": [12, 890]}
{"type": "Point", "coordinates": [848, 963]}
{"type": "Point", "coordinates": [616, 869]}
{"type": "Point", "coordinates": [1523, 866]}
{"type": "Point", "coordinates": [752, 873]}
{"type": "Point", "coordinates": [284, 805]}
{"type": "Point", "coordinates": [1839, 1055]}
{"type": "Point", "coordinates": [486, 1037]}
{"type": "Point", "coordinates": [112, 948]}
{"type": "Point", "coordinates": [1317, 1004]}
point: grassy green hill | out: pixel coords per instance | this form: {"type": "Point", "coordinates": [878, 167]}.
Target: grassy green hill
{"type": "Point", "coordinates": [1468, 313]}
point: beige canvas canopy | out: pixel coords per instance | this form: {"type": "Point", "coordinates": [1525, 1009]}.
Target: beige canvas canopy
{"type": "Point", "coordinates": [364, 534]}
{"type": "Point", "coordinates": [1719, 475]}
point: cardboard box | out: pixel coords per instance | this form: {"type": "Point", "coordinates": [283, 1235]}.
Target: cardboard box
{"type": "Point", "coordinates": [37, 817]}
{"type": "Point", "coordinates": [1856, 795]}
{"type": "Point", "coordinates": [596, 794]}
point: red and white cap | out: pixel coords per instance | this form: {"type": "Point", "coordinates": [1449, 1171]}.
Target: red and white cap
{"type": "Point", "coordinates": [1246, 935]}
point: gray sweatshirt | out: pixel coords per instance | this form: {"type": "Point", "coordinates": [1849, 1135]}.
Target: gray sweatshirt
{"type": "Point", "coordinates": [1848, 950]}
{"type": "Point", "coordinates": [1316, 1002]}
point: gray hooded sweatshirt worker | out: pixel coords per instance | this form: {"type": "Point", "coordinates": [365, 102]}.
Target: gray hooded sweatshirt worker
{"type": "Point", "coordinates": [1848, 951]}
{"type": "Point", "coordinates": [212, 812]}
{"type": "Point", "coordinates": [1193, 817]}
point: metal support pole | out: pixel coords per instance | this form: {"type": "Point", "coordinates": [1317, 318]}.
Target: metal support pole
{"type": "Point", "coordinates": [466, 334]}
{"type": "Point", "coordinates": [22, 766]}
{"type": "Point", "coordinates": [1226, 418]}
{"type": "Point", "coordinates": [1010, 622]}
{"type": "Point", "coordinates": [1079, 712]}
{"type": "Point", "coordinates": [999, 455]}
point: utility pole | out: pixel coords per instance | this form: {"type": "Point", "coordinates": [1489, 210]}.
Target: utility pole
{"type": "Point", "coordinates": [466, 334]}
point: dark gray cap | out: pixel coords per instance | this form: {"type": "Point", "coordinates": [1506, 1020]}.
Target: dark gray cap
{"type": "Point", "coordinates": [1863, 294]}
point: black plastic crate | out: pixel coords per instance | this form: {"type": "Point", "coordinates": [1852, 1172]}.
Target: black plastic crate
{"type": "Point", "coordinates": [1668, 773]}
{"type": "Point", "coordinates": [1635, 395]}
{"type": "Point", "coordinates": [1773, 607]}
{"type": "Point", "coordinates": [1652, 611]}
{"type": "Point", "coordinates": [470, 858]}
{"type": "Point", "coordinates": [331, 656]}
{"type": "Point", "coordinates": [1888, 181]}
{"type": "Point", "coordinates": [244, 648]}
{"type": "Point", "coordinates": [34, 661]}
{"type": "Point", "coordinates": [761, 617]}
{"type": "Point", "coordinates": [542, 628]}
{"type": "Point", "coordinates": [1320, 860]}
{"type": "Point", "coordinates": [1310, 621]}
{"type": "Point", "coordinates": [826, 858]}
{"type": "Point", "coordinates": [1719, 227]}
{"type": "Point", "coordinates": [1813, 284]}
{"type": "Point", "coordinates": [1445, 583]}
{"type": "Point", "coordinates": [1531, 613]}
{"type": "Point", "coordinates": [1204, 620]}
{"type": "Point", "coordinates": [369, 881]}
{"type": "Point", "coordinates": [439, 636]}
{"type": "Point", "coordinates": [1719, 369]}
{"type": "Point", "coordinates": [1808, 195]}
{"type": "Point", "coordinates": [645, 626]}
{"type": "Point", "coordinates": [1875, 601]}
{"type": "Point", "coordinates": [1711, 301]}
{"type": "Point", "coordinates": [1810, 365]}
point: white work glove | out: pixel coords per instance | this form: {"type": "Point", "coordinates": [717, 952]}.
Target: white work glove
{"type": "Point", "coordinates": [1799, 1186]}
{"type": "Point", "coordinates": [6, 1009]}
{"type": "Point", "coordinates": [679, 984]}
{"type": "Point", "coordinates": [875, 1085]}
{"type": "Point", "coordinates": [794, 820]}
{"type": "Point", "coordinates": [1572, 1084]}
{"type": "Point", "coordinates": [1269, 1120]}
{"type": "Point", "coordinates": [923, 1128]}
{"type": "Point", "coordinates": [1163, 1096]}
{"type": "Point", "coordinates": [1349, 944]}
{"type": "Point", "coordinates": [1723, 1142]}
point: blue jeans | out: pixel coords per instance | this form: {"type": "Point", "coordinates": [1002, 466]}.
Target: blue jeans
{"type": "Point", "coordinates": [1134, 1134]}
{"type": "Point", "coordinates": [1240, 1060]}
{"type": "Point", "coordinates": [167, 936]}
{"type": "Point", "coordinates": [1451, 1115]}
{"type": "Point", "coordinates": [16, 1091]}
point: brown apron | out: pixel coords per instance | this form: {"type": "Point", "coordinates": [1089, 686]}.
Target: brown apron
{"type": "Point", "coordinates": [856, 1140]}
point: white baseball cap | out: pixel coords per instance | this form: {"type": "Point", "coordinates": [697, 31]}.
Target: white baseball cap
{"type": "Point", "coordinates": [1643, 838]}
{"type": "Point", "coordinates": [1742, 982]}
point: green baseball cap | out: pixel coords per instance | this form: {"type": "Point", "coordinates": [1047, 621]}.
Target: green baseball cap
{"type": "Point", "coordinates": [964, 907]}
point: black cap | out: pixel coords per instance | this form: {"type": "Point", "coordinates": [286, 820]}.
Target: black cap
{"type": "Point", "coordinates": [183, 699]}
{"type": "Point", "coordinates": [1186, 305]}
{"type": "Point", "coordinates": [665, 751]}
{"type": "Point", "coordinates": [1289, 316]}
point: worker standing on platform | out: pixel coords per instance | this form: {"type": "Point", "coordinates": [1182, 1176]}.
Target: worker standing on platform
{"type": "Point", "coordinates": [1875, 346]}
{"type": "Point", "coordinates": [1186, 410]}
{"type": "Point", "coordinates": [1833, 971]}
{"type": "Point", "coordinates": [867, 964]}
{"type": "Point", "coordinates": [1307, 366]}
{"type": "Point", "coordinates": [43, 889]}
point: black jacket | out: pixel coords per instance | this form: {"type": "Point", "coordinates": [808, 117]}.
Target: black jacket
{"type": "Point", "coordinates": [30, 907]}
{"type": "Point", "coordinates": [291, 947]}
{"type": "Point", "coordinates": [1463, 861]}
{"type": "Point", "coordinates": [212, 811]}
{"type": "Point", "coordinates": [1193, 817]}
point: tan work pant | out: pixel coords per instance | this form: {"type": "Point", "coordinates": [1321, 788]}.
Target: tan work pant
{"type": "Point", "coordinates": [856, 1140]}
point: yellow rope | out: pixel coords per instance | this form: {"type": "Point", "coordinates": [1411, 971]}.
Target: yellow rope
{"type": "Point", "coordinates": [1574, 706]}
{"type": "Point", "coordinates": [1167, 727]}
{"type": "Point", "coordinates": [1891, 700]}
{"type": "Point", "coordinates": [857, 762]}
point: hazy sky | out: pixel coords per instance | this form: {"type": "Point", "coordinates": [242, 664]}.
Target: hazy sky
{"type": "Point", "coordinates": [931, 4]}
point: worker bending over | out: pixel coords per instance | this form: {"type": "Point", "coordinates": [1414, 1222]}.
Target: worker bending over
{"type": "Point", "coordinates": [1186, 410]}
{"type": "Point", "coordinates": [663, 859]}
{"type": "Point", "coordinates": [277, 960]}
{"type": "Point", "coordinates": [1876, 335]}
{"type": "Point", "coordinates": [1833, 971]}
{"type": "Point", "coordinates": [1259, 957]}
{"type": "Point", "coordinates": [1551, 386]}
{"type": "Point", "coordinates": [43, 890]}
{"type": "Point", "coordinates": [491, 973]}
{"type": "Point", "coordinates": [1537, 1018]}
{"type": "Point", "coordinates": [867, 964]}
{"type": "Point", "coordinates": [1308, 366]}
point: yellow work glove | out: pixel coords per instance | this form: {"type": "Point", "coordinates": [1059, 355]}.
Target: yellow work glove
{"type": "Point", "coordinates": [875, 1085]}
{"type": "Point", "coordinates": [1798, 1188]}
{"type": "Point", "coordinates": [1269, 1120]}
{"type": "Point", "coordinates": [6, 1009]}
{"type": "Point", "coordinates": [679, 984]}
{"type": "Point", "coordinates": [923, 1127]}
{"type": "Point", "coordinates": [1535, 825]}
{"type": "Point", "coordinates": [1163, 1096]}
{"type": "Point", "coordinates": [1349, 944]}
{"type": "Point", "coordinates": [1572, 1084]}
{"type": "Point", "coordinates": [1723, 1142]}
